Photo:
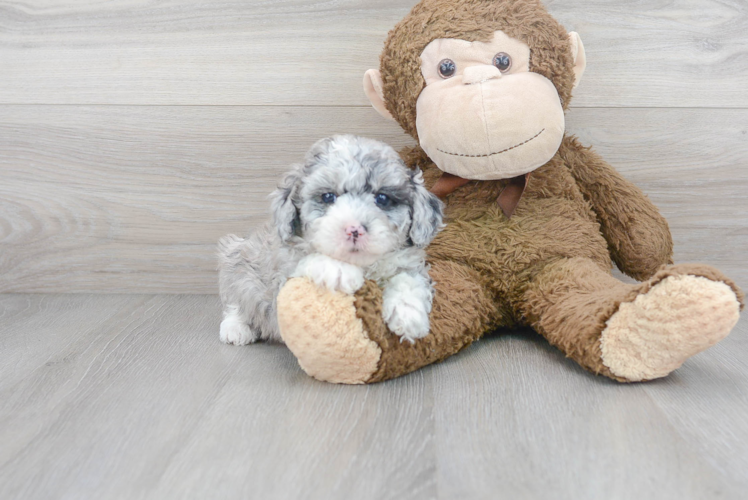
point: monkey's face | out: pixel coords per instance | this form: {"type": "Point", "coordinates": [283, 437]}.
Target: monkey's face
{"type": "Point", "coordinates": [483, 115]}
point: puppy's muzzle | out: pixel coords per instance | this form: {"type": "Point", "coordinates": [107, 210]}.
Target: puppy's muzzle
{"type": "Point", "coordinates": [355, 232]}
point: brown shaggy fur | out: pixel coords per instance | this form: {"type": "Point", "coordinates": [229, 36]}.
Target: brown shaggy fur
{"type": "Point", "coordinates": [549, 265]}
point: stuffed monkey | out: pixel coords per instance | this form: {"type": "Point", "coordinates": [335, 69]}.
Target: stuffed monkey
{"type": "Point", "coordinates": [533, 217]}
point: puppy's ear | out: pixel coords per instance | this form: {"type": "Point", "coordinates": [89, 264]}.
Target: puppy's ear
{"type": "Point", "coordinates": [428, 212]}
{"type": "Point", "coordinates": [320, 149]}
{"type": "Point", "coordinates": [285, 213]}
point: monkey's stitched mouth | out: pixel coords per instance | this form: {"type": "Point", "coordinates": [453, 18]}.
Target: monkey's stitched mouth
{"type": "Point", "coordinates": [496, 153]}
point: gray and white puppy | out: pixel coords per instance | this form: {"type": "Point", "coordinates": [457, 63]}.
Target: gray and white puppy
{"type": "Point", "coordinates": [352, 211]}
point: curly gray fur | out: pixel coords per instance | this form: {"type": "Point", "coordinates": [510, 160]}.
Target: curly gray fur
{"type": "Point", "coordinates": [372, 187]}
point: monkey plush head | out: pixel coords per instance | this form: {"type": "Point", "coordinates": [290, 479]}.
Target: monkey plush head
{"type": "Point", "coordinates": [481, 84]}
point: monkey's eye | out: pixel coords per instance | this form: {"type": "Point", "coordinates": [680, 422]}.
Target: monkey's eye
{"type": "Point", "coordinates": [503, 61]}
{"type": "Point", "coordinates": [447, 68]}
{"type": "Point", "coordinates": [329, 198]}
{"type": "Point", "coordinates": [382, 200]}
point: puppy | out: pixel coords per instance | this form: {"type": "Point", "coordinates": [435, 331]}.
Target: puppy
{"type": "Point", "coordinates": [352, 211]}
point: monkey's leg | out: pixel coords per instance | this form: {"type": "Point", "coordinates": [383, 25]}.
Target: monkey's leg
{"type": "Point", "coordinates": [343, 339]}
{"type": "Point", "coordinates": [631, 332]}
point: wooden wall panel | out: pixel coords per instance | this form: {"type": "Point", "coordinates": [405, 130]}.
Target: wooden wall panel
{"type": "Point", "coordinates": [133, 198]}
{"type": "Point", "coordinates": [682, 53]}
{"type": "Point", "coordinates": [693, 164]}
{"type": "Point", "coordinates": [134, 134]}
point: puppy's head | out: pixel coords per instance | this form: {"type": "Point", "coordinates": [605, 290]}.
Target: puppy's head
{"type": "Point", "coordinates": [354, 199]}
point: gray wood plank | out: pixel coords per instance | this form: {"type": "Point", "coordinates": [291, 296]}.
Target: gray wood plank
{"type": "Point", "coordinates": [117, 396]}
{"type": "Point", "coordinates": [149, 404]}
{"type": "Point", "coordinates": [697, 178]}
{"type": "Point", "coordinates": [706, 405]}
{"type": "Point", "coordinates": [274, 436]}
{"type": "Point", "coordinates": [36, 329]}
{"type": "Point", "coordinates": [515, 419]}
{"type": "Point", "coordinates": [132, 199]}
{"type": "Point", "coordinates": [312, 52]}
{"type": "Point", "coordinates": [660, 53]}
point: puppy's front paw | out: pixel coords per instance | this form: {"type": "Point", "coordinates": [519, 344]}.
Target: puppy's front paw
{"type": "Point", "coordinates": [408, 320]}
{"type": "Point", "coordinates": [330, 273]}
{"type": "Point", "coordinates": [235, 331]}
{"type": "Point", "coordinates": [406, 305]}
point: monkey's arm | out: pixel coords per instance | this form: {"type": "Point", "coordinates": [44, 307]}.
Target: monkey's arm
{"type": "Point", "coordinates": [638, 237]}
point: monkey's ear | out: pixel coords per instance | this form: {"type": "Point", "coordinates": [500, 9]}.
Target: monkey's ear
{"type": "Point", "coordinates": [580, 58]}
{"type": "Point", "coordinates": [375, 92]}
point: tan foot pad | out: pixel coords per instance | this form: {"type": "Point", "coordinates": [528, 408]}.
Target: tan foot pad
{"type": "Point", "coordinates": [679, 317]}
{"type": "Point", "coordinates": [321, 329]}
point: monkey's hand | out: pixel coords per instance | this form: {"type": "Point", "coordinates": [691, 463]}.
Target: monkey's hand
{"type": "Point", "coordinates": [638, 237]}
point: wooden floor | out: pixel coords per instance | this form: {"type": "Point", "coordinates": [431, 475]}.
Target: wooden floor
{"type": "Point", "coordinates": [133, 396]}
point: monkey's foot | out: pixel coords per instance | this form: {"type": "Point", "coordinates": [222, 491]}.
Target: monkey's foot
{"type": "Point", "coordinates": [323, 332]}
{"type": "Point", "coordinates": [676, 318]}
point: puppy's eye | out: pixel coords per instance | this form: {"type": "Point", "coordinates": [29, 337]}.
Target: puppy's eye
{"type": "Point", "coordinates": [447, 68]}
{"type": "Point", "coordinates": [382, 200]}
{"type": "Point", "coordinates": [329, 198]}
{"type": "Point", "coordinates": [503, 61]}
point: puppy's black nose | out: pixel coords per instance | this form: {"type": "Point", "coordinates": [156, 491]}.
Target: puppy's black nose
{"type": "Point", "coordinates": [355, 232]}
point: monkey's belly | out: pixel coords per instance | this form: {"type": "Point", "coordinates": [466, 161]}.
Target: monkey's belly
{"type": "Point", "coordinates": [542, 230]}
